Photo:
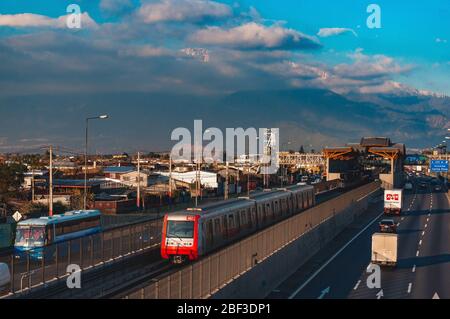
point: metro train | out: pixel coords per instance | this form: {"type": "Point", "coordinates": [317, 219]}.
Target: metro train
{"type": "Point", "coordinates": [192, 233]}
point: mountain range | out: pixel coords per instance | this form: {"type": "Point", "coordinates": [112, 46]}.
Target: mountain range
{"type": "Point", "coordinates": [144, 121]}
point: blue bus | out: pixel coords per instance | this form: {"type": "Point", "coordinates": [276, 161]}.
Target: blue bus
{"type": "Point", "coordinates": [36, 234]}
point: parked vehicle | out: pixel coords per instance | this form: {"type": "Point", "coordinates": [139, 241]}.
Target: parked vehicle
{"type": "Point", "coordinates": [388, 226]}
{"type": "Point", "coordinates": [408, 186]}
{"type": "Point", "coordinates": [384, 249]}
{"type": "Point", "coordinates": [393, 201]}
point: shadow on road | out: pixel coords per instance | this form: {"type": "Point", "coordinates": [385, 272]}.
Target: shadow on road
{"type": "Point", "coordinates": [423, 261]}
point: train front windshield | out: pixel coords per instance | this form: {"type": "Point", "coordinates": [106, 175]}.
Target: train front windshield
{"type": "Point", "coordinates": [180, 229]}
{"type": "Point", "coordinates": [30, 236]}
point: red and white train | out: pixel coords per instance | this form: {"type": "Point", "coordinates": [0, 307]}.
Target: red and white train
{"type": "Point", "coordinates": [192, 233]}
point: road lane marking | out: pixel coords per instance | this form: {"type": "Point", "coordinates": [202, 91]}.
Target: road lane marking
{"type": "Point", "coordinates": [417, 253]}
{"type": "Point", "coordinates": [414, 268]}
{"type": "Point", "coordinates": [423, 233]}
{"type": "Point", "coordinates": [409, 288]}
{"type": "Point", "coordinates": [333, 257]}
{"type": "Point", "coordinates": [402, 218]}
{"type": "Point", "coordinates": [420, 242]}
{"type": "Point", "coordinates": [357, 285]}
{"type": "Point", "coordinates": [426, 225]}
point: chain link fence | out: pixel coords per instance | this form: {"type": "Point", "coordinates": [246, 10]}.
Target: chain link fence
{"type": "Point", "coordinates": [34, 268]}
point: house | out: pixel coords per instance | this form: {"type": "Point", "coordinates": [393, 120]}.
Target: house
{"type": "Point", "coordinates": [207, 179]}
{"type": "Point", "coordinates": [39, 176]}
{"type": "Point", "coordinates": [114, 204]}
{"type": "Point", "coordinates": [132, 178]}
{"type": "Point", "coordinates": [115, 172]}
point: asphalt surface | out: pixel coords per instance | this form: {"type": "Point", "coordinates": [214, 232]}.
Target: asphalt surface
{"type": "Point", "coordinates": [423, 269]}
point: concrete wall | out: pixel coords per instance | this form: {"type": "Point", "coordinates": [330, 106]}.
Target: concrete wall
{"type": "Point", "coordinates": [259, 281]}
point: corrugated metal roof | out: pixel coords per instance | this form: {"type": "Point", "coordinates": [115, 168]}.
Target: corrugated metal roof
{"type": "Point", "coordinates": [118, 169]}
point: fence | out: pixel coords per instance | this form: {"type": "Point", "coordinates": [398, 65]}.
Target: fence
{"type": "Point", "coordinates": [86, 252]}
{"type": "Point", "coordinates": [205, 277]}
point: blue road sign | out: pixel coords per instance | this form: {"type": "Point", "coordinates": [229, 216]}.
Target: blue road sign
{"type": "Point", "coordinates": [439, 166]}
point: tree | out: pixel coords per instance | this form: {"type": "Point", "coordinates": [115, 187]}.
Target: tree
{"type": "Point", "coordinates": [11, 177]}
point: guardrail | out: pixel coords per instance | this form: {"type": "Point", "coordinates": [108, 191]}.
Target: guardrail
{"type": "Point", "coordinates": [86, 252]}
{"type": "Point", "coordinates": [205, 277]}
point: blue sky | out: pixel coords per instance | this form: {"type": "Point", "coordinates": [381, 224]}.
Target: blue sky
{"type": "Point", "coordinates": [415, 35]}
{"type": "Point", "coordinates": [210, 49]}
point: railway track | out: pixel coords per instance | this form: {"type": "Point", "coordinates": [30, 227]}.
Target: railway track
{"type": "Point", "coordinates": [123, 277]}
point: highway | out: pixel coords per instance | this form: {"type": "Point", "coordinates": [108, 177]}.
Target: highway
{"type": "Point", "coordinates": [423, 269]}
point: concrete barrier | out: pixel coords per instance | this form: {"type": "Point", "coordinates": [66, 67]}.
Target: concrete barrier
{"type": "Point", "coordinates": [267, 275]}
{"type": "Point", "coordinates": [254, 266]}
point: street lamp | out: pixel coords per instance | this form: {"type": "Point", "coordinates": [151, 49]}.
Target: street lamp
{"type": "Point", "coordinates": [100, 117]}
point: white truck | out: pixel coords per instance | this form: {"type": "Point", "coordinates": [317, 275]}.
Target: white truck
{"type": "Point", "coordinates": [393, 201]}
{"type": "Point", "coordinates": [384, 249]}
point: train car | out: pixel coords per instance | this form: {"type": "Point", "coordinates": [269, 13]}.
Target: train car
{"type": "Point", "coordinates": [35, 235]}
{"type": "Point", "coordinates": [191, 233]}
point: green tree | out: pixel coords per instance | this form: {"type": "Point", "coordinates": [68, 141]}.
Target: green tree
{"type": "Point", "coordinates": [11, 177]}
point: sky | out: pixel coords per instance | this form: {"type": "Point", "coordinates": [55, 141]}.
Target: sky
{"type": "Point", "coordinates": [205, 47]}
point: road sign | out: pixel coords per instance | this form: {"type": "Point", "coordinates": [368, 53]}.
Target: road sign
{"type": "Point", "coordinates": [17, 216]}
{"type": "Point", "coordinates": [439, 166]}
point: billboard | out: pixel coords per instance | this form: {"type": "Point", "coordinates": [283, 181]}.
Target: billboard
{"type": "Point", "coordinates": [439, 166]}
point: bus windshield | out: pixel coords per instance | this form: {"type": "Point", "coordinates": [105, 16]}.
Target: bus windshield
{"type": "Point", "coordinates": [180, 229]}
{"type": "Point", "coordinates": [30, 236]}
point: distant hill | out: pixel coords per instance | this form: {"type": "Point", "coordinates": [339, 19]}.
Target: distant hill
{"type": "Point", "coordinates": [144, 121]}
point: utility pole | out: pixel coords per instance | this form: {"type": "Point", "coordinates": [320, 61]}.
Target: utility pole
{"type": "Point", "coordinates": [238, 191]}
{"type": "Point", "coordinates": [248, 179]}
{"type": "Point", "coordinates": [32, 185]}
{"type": "Point", "coordinates": [225, 195]}
{"type": "Point", "coordinates": [138, 197]}
{"type": "Point", "coordinates": [197, 184]}
{"type": "Point", "coordinates": [50, 204]}
{"type": "Point", "coordinates": [170, 175]}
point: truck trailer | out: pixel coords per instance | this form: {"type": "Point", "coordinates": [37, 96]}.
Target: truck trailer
{"type": "Point", "coordinates": [384, 249]}
{"type": "Point", "coordinates": [393, 201]}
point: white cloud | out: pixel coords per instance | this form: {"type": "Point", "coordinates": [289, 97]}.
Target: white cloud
{"type": "Point", "coordinates": [145, 51]}
{"type": "Point", "coordinates": [183, 10]}
{"type": "Point", "coordinates": [370, 66]}
{"type": "Point", "coordinates": [253, 36]}
{"type": "Point", "coordinates": [24, 20]}
{"type": "Point", "coordinates": [329, 32]}
{"type": "Point", "coordinates": [439, 40]}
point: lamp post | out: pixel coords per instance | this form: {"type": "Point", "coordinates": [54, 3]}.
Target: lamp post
{"type": "Point", "coordinates": [100, 117]}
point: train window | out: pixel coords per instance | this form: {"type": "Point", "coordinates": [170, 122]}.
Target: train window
{"type": "Point", "coordinates": [231, 221]}
{"type": "Point", "coordinates": [225, 226]}
{"type": "Point", "coordinates": [209, 233]}
{"type": "Point", "coordinates": [249, 217]}
{"type": "Point", "coordinates": [238, 222]}
{"type": "Point", "coordinates": [243, 217]}
{"type": "Point", "coordinates": [217, 226]}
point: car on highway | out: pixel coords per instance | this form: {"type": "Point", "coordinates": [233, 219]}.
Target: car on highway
{"type": "Point", "coordinates": [408, 186]}
{"type": "Point", "coordinates": [423, 185]}
{"type": "Point", "coordinates": [388, 226]}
